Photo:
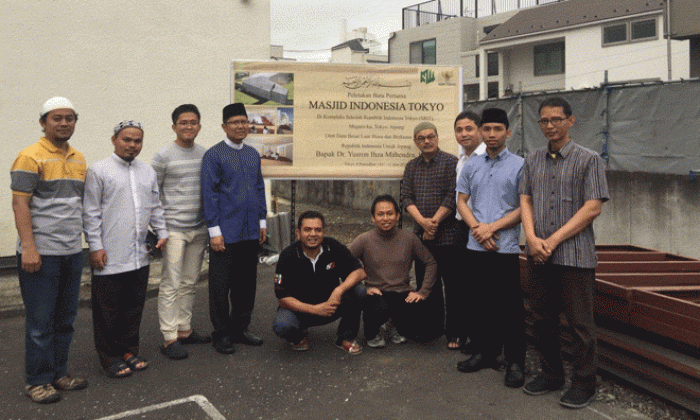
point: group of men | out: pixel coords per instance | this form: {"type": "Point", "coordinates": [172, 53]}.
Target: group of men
{"type": "Point", "coordinates": [189, 197]}
{"type": "Point", "coordinates": [467, 212]}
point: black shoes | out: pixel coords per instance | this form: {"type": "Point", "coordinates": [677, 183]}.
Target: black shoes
{"type": "Point", "coordinates": [224, 346]}
{"type": "Point", "coordinates": [543, 384]}
{"type": "Point", "coordinates": [195, 338]}
{"type": "Point", "coordinates": [476, 363]}
{"type": "Point", "coordinates": [514, 376]}
{"type": "Point", "coordinates": [247, 338]}
{"type": "Point", "coordinates": [174, 351]}
{"type": "Point", "coordinates": [579, 395]}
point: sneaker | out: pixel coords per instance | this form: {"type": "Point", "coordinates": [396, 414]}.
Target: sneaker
{"type": "Point", "coordinates": [377, 342]}
{"type": "Point", "coordinates": [543, 384]}
{"type": "Point", "coordinates": [42, 394]}
{"type": "Point", "coordinates": [69, 383]}
{"type": "Point", "coordinates": [303, 345]}
{"type": "Point", "coordinates": [395, 337]}
{"type": "Point", "coordinates": [578, 396]}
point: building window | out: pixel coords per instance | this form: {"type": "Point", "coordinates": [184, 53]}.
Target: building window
{"type": "Point", "coordinates": [492, 64]}
{"type": "Point", "coordinates": [638, 30]}
{"type": "Point", "coordinates": [549, 59]}
{"type": "Point", "coordinates": [423, 52]}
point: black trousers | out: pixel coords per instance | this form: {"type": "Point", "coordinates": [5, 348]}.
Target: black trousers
{"type": "Point", "coordinates": [449, 261]}
{"type": "Point", "coordinates": [556, 289]}
{"type": "Point", "coordinates": [496, 304]}
{"type": "Point", "coordinates": [117, 306]}
{"type": "Point", "coordinates": [408, 318]}
{"type": "Point", "coordinates": [232, 286]}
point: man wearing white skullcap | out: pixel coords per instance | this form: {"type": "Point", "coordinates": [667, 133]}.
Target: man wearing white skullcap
{"type": "Point", "coordinates": [47, 194]}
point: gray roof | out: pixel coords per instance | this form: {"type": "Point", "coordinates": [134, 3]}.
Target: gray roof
{"type": "Point", "coordinates": [354, 45]}
{"type": "Point", "coordinates": [564, 14]}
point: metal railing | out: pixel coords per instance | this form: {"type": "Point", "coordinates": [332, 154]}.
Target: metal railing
{"type": "Point", "coordinates": [436, 10]}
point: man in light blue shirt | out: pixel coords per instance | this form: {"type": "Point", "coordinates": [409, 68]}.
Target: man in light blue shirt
{"type": "Point", "coordinates": [121, 199]}
{"type": "Point", "coordinates": [491, 182]}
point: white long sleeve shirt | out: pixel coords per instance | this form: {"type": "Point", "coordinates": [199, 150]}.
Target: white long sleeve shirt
{"type": "Point", "coordinates": [463, 158]}
{"type": "Point", "coordinates": [121, 199]}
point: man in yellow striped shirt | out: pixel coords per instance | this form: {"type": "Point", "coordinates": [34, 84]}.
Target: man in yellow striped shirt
{"type": "Point", "coordinates": [47, 193]}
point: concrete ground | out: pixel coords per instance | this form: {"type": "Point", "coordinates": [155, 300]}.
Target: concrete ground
{"type": "Point", "coordinates": [410, 381]}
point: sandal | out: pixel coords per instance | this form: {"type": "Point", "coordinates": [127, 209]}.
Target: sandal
{"type": "Point", "coordinates": [350, 347]}
{"type": "Point", "coordinates": [454, 343]}
{"type": "Point", "coordinates": [118, 370]}
{"type": "Point", "coordinates": [42, 394]}
{"type": "Point", "coordinates": [135, 363]}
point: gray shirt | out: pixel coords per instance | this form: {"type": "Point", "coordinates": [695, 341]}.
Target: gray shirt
{"type": "Point", "coordinates": [179, 170]}
{"type": "Point", "coordinates": [559, 186]}
{"type": "Point", "coordinates": [121, 199]}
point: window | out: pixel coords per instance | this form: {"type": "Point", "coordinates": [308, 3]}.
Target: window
{"type": "Point", "coordinates": [423, 52]}
{"type": "Point", "coordinates": [614, 34]}
{"type": "Point", "coordinates": [643, 29]}
{"type": "Point", "coordinates": [492, 64]}
{"type": "Point", "coordinates": [549, 59]}
{"type": "Point", "coordinates": [620, 33]}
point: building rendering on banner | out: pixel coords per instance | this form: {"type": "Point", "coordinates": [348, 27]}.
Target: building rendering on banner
{"type": "Point", "coordinates": [557, 45]}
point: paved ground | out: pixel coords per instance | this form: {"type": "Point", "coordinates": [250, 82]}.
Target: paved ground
{"type": "Point", "coordinates": [410, 381]}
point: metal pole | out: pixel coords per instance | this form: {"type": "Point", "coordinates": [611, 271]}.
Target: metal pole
{"type": "Point", "coordinates": [606, 130]}
{"type": "Point", "coordinates": [667, 25]}
{"type": "Point", "coordinates": [293, 209]}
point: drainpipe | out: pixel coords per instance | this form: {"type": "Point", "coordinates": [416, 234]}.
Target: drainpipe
{"type": "Point", "coordinates": [606, 129]}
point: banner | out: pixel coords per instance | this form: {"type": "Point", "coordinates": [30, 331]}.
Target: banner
{"type": "Point", "coordinates": [345, 121]}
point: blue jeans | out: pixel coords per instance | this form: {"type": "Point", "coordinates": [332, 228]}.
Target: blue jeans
{"type": "Point", "coordinates": [290, 325]}
{"type": "Point", "coordinates": [51, 299]}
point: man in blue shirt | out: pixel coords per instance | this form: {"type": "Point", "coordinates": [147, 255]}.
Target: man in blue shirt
{"type": "Point", "coordinates": [233, 195]}
{"type": "Point", "coordinates": [491, 182]}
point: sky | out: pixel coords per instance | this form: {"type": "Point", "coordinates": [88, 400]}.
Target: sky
{"type": "Point", "coordinates": [309, 28]}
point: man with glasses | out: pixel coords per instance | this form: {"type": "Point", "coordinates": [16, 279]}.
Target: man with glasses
{"type": "Point", "coordinates": [428, 194]}
{"type": "Point", "coordinates": [235, 212]}
{"type": "Point", "coordinates": [178, 167]}
{"type": "Point", "coordinates": [48, 179]}
{"type": "Point", "coordinates": [562, 191]}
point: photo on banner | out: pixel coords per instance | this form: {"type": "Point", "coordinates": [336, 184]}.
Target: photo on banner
{"type": "Point", "coordinates": [343, 121]}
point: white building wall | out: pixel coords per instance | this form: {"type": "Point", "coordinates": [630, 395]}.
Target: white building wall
{"type": "Point", "coordinates": [520, 71]}
{"type": "Point", "coordinates": [119, 59]}
{"type": "Point", "coordinates": [587, 59]}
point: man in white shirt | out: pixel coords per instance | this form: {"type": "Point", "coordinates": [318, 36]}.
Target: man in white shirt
{"type": "Point", "coordinates": [467, 135]}
{"type": "Point", "coordinates": [121, 199]}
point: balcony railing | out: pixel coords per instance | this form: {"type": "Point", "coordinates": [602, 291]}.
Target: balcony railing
{"type": "Point", "coordinates": [436, 10]}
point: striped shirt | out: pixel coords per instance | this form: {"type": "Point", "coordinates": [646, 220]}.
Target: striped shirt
{"type": "Point", "coordinates": [179, 171]}
{"type": "Point", "coordinates": [559, 187]}
{"type": "Point", "coordinates": [429, 186]}
{"type": "Point", "coordinates": [54, 180]}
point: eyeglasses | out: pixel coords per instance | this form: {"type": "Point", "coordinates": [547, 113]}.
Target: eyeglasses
{"type": "Point", "coordinates": [421, 139]}
{"type": "Point", "coordinates": [555, 121]}
{"type": "Point", "coordinates": [186, 123]}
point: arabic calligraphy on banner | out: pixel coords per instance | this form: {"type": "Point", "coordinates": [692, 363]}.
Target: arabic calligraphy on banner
{"type": "Point", "coordinates": [343, 121]}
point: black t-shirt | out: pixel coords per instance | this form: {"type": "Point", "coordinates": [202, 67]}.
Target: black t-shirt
{"type": "Point", "coordinates": [296, 276]}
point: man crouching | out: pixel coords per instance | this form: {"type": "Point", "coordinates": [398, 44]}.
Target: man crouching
{"type": "Point", "coordinates": [318, 281]}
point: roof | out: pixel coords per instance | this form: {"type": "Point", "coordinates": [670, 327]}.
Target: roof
{"type": "Point", "coordinates": [560, 15]}
{"type": "Point", "coordinates": [353, 44]}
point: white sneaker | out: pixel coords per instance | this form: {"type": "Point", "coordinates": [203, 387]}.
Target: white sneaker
{"type": "Point", "coordinates": [377, 342]}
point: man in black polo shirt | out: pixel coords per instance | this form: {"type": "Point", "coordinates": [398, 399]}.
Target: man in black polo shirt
{"type": "Point", "coordinates": [318, 281]}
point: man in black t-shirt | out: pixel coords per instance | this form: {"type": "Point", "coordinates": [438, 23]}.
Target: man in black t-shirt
{"type": "Point", "coordinates": [318, 281]}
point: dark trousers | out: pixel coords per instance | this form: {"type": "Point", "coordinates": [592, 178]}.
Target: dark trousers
{"type": "Point", "coordinates": [556, 289]}
{"type": "Point", "coordinates": [232, 284]}
{"type": "Point", "coordinates": [50, 297]}
{"type": "Point", "coordinates": [290, 325]}
{"type": "Point", "coordinates": [408, 318]}
{"type": "Point", "coordinates": [449, 262]}
{"type": "Point", "coordinates": [117, 306]}
{"type": "Point", "coordinates": [496, 301]}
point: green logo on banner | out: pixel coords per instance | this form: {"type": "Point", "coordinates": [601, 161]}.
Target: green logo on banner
{"type": "Point", "coordinates": [427, 76]}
